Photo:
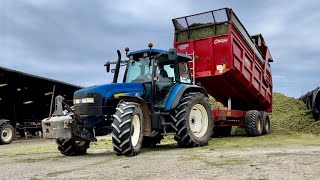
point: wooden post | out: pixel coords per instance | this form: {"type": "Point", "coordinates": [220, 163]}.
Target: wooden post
{"type": "Point", "coordinates": [52, 97]}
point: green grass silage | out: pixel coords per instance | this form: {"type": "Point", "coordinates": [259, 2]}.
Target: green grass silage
{"type": "Point", "coordinates": [199, 30]}
{"type": "Point", "coordinates": [289, 116]}
{"type": "Point", "coordinates": [292, 116]}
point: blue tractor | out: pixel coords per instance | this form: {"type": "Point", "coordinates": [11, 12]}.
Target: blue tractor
{"type": "Point", "coordinates": [157, 97]}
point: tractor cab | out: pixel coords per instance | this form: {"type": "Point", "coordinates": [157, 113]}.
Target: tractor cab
{"type": "Point", "coordinates": [159, 73]}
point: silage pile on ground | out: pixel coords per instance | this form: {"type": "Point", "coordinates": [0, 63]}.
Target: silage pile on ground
{"type": "Point", "coordinates": [291, 116]}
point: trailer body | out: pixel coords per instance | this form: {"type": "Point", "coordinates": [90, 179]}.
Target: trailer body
{"type": "Point", "coordinates": [229, 63]}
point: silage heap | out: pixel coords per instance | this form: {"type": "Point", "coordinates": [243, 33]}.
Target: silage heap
{"type": "Point", "coordinates": [292, 116]}
{"type": "Point", "coordinates": [289, 116]}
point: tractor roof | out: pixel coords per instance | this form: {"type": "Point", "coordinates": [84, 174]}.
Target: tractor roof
{"type": "Point", "coordinates": [181, 57]}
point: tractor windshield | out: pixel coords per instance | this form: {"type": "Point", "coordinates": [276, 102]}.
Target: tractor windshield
{"type": "Point", "coordinates": [139, 70]}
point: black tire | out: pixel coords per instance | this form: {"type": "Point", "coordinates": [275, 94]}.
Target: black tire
{"type": "Point", "coordinates": [253, 123]}
{"type": "Point", "coordinates": [187, 107]}
{"type": "Point", "coordinates": [6, 134]}
{"type": "Point", "coordinates": [22, 133]}
{"type": "Point", "coordinates": [222, 131]}
{"type": "Point", "coordinates": [127, 119]}
{"type": "Point", "coordinates": [71, 147]}
{"type": "Point", "coordinates": [266, 129]}
{"type": "Point", "coordinates": [152, 141]}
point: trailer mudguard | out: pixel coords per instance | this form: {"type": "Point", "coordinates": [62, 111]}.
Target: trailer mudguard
{"type": "Point", "coordinates": [178, 92]}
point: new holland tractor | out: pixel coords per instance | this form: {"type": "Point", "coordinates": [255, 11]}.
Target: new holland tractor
{"type": "Point", "coordinates": [157, 97]}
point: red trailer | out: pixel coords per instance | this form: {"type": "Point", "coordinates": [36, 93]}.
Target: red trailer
{"type": "Point", "coordinates": [231, 65]}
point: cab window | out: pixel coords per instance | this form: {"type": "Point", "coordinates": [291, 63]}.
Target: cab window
{"type": "Point", "coordinates": [184, 72]}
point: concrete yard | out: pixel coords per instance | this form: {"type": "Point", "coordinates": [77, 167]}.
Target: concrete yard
{"type": "Point", "coordinates": [237, 157]}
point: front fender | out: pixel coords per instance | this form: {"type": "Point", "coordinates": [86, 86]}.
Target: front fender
{"type": "Point", "coordinates": [145, 110]}
{"type": "Point", "coordinates": [178, 92]}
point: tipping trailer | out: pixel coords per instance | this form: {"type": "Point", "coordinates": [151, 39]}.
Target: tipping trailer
{"type": "Point", "coordinates": [231, 65]}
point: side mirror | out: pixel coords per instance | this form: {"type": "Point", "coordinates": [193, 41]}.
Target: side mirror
{"type": "Point", "coordinates": [107, 65]}
{"type": "Point", "coordinates": [173, 55]}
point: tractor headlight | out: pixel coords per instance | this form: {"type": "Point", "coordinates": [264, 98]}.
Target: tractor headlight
{"type": "Point", "coordinates": [76, 101]}
{"type": "Point", "coordinates": [87, 100]}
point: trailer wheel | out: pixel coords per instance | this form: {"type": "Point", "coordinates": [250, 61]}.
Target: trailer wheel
{"type": "Point", "coordinates": [193, 120]}
{"type": "Point", "coordinates": [152, 141]}
{"type": "Point", "coordinates": [266, 129]}
{"type": "Point", "coordinates": [253, 123]}
{"type": "Point", "coordinates": [222, 131]}
{"type": "Point", "coordinates": [71, 147]}
{"type": "Point", "coordinates": [6, 134]}
{"type": "Point", "coordinates": [127, 129]}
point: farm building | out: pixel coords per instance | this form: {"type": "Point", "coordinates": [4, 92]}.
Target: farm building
{"type": "Point", "coordinates": [25, 99]}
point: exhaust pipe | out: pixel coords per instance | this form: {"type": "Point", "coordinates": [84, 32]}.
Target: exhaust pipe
{"type": "Point", "coordinates": [116, 73]}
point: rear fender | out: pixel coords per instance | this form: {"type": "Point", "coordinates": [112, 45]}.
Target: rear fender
{"type": "Point", "coordinates": [178, 91]}
{"type": "Point", "coordinates": [145, 110]}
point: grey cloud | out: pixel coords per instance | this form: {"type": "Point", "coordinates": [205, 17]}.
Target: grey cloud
{"type": "Point", "coordinates": [71, 40]}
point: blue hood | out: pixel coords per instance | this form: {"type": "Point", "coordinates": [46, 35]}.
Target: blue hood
{"type": "Point", "coordinates": [108, 90]}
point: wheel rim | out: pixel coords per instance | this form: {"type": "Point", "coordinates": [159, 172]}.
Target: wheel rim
{"type": "Point", "coordinates": [198, 120]}
{"type": "Point", "coordinates": [267, 125]}
{"type": "Point", "coordinates": [80, 143]}
{"type": "Point", "coordinates": [259, 125]}
{"type": "Point", "coordinates": [136, 128]}
{"type": "Point", "coordinates": [6, 134]}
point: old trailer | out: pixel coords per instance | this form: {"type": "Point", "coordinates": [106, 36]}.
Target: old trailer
{"type": "Point", "coordinates": [230, 64]}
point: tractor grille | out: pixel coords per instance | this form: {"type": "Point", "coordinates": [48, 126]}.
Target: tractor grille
{"type": "Point", "coordinates": [89, 108]}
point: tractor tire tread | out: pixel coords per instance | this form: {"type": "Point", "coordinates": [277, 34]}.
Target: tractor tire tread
{"type": "Point", "coordinates": [183, 135]}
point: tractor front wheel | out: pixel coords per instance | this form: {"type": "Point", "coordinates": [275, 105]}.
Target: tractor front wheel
{"type": "Point", "coordinates": [193, 119]}
{"type": "Point", "coordinates": [152, 141]}
{"type": "Point", "coordinates": [127, 129]}
{"type": "Point", "coordinates": [71, 147]}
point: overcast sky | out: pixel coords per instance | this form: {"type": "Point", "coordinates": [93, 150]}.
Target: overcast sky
{"type": "Point", "coordinates": [71, 40]}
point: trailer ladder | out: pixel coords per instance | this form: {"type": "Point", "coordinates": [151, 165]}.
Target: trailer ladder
{"type": "Point", "coordinates": [192, 67]}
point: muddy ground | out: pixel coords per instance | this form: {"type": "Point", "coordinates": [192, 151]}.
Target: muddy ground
{"type": "Point", "coordinates": [224, 158]}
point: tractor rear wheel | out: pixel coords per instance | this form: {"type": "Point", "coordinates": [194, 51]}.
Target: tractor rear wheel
{"type": "Point", "coordinates": [127, 129]}
{"type": "Point", "coordinates": [266, 128]}
{"type": "Point", "coordinates": [253, 123]}
{"type": "Point", "coordinates": [152, 141]}
{"type": "Point", "coordinates": [193, 120]}
{"type": "Point", "coordinates": [71, 147]}
{"type": "Point", "coordinates": [6, 134]}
